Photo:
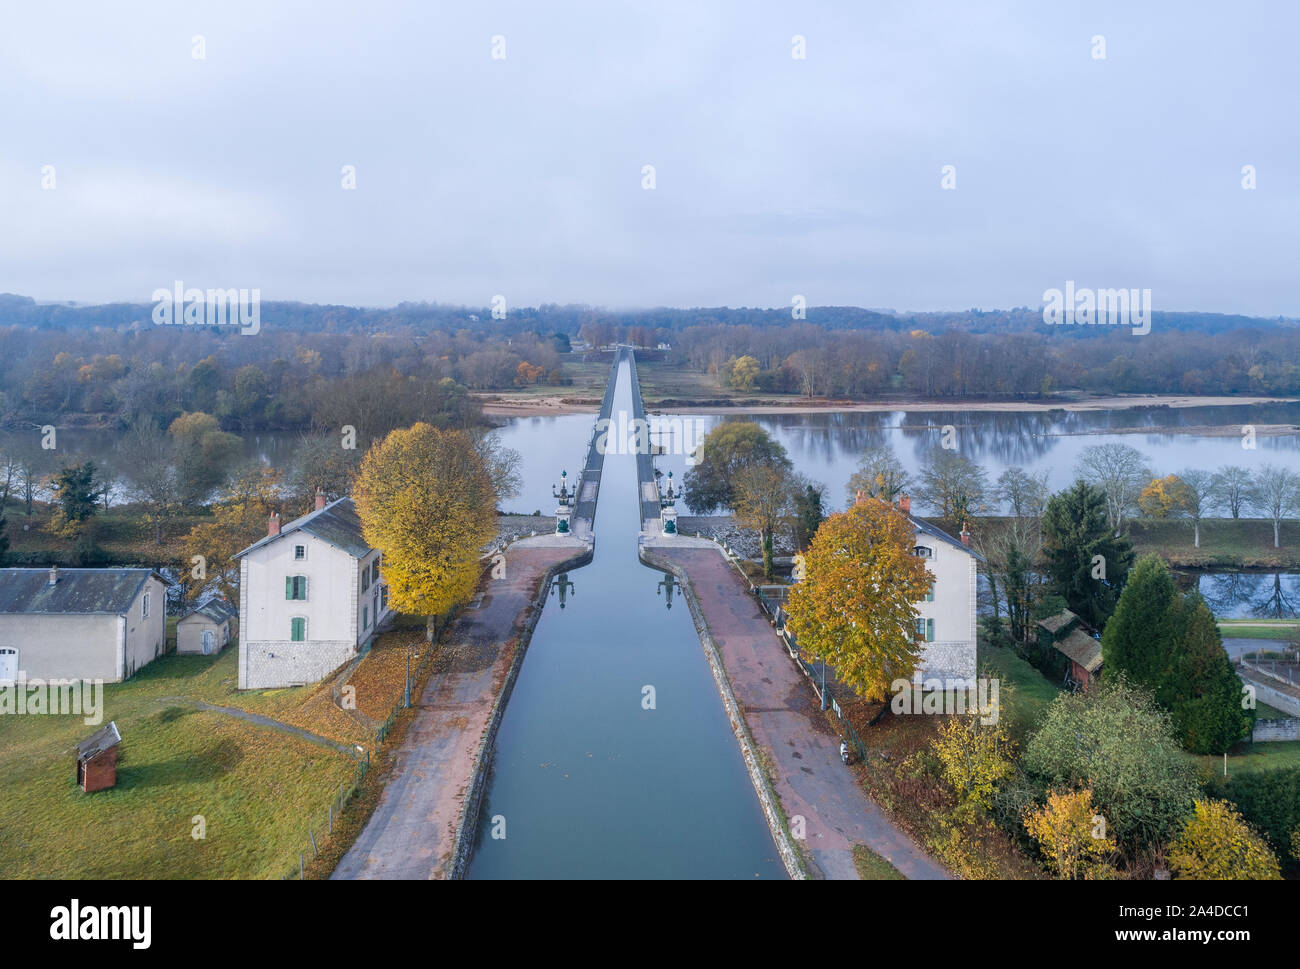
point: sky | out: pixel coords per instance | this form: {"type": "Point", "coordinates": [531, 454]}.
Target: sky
{"type": "Point", "coordinates": [127, 162]}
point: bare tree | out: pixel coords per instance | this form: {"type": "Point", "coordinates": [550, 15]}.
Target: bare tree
{"type": "Point", "coordinates": [1232, 488]}
{"type": "Point", "coordinates": [1120, 472]}
{"type": "Point", "coordinates": [952, 484]}
{"type": "Point", "coordinates": [880, 474]}
{"type": "Point", "coordinates": [1026, 493]}
{"type": "Point", "coordinates": [1195, 497]}
{"type": "Point", "coordinates": [1277, 491]}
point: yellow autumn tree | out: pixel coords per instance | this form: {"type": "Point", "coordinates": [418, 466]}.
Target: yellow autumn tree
{"type": "Point", "coordinates": [854, 608]}
{"type": "Point", "coordinates": [1071, 835]}
{"type": "Point", "coordinates": [1163, 497]}
{"type": "Point", "coordinates": [1216, 844]}
{"type": "Point", "coordinates": [974, 758]}
{"type": "Point", "coordinates": [427, 501]}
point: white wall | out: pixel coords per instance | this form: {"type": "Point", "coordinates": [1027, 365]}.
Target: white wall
{"type": "Point", "coordinates": [146, 639]}
{"type": "Point", "coordinates": [952, 654]}
{"type": "Point", "coordinates": [332, 590]}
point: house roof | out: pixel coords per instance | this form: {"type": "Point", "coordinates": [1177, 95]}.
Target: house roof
{"type": "Point", "coordinates": [77, 591]}
{"type": "Point", "coordinates": [922, 525]}
{"type": "Point", "coordinates": [98, 742]}
{"type": "Point", "coordinates": [216, 609]}
{"type": "Point", "coordinates": [1054, 624]}
{"type": "Point", "coordinates": [337, 524]}
{"type": "Point", "coordinates": [1081, 648]}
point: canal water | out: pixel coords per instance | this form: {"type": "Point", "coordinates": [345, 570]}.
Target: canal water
{"type": "Point", "coordinates": [614, 758]}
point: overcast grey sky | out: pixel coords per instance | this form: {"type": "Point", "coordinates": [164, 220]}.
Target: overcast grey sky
{"type": "Point", "coordinates": [774, 176]}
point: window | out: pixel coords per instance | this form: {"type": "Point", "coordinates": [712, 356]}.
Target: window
{"type": "Point", "coordinates": [374, 570]}
{"type": "Point", "coordinates": [365, 617]}
{"type": "Point", "coordinates": [295, 587]}
{"type": "Point", "coordinates": [383, 596]}
{"type": "Point", "coordinates": [375, 602]}
{"type": "Point", "coordinates": [298, 629]}
{"type": "Point", "coordinates": [925, 630]}
{"type": "Point", "coordinates": [929, 594]}
{"type": "Point", "coordinates": [144, 607]}
{"type": "Point", "coordinates": [365, 578]}
{"type": "Point", "coordinates": [8, 664]}
{"type": "Point", "coordinates": [923, 552]}
{"type": "Point", "coordinates": [299, 552]}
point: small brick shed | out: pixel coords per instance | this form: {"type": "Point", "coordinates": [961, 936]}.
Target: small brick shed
{"type": "Point", "coordinates": [97, 759]}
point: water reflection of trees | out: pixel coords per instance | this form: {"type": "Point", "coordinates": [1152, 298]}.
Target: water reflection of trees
{"type": "Point", "coordinates": [1251, 595]}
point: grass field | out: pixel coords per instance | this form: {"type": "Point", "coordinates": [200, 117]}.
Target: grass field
{"type": "Point", "coordinates": [1026, 693]}
{"type": "Point", "coordinates": [1225, 543]}
{"type": "Point", "coordinates": [118, 534]}
{"type": "Point", "coordinates": [257, 789]}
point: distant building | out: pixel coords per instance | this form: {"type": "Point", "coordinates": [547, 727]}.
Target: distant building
{"type": "Point", "coordinates": [97, 759]}
{"type": "Point", "coordinates": [90, 624]}
{"type": "Point", "coordinates": [1077, 642]}
{"type": "Point", "coordinates": [946, 617]}
{"type": "Point", "coordinates": [206, 629]}
{"type": "Point", "coordinates": [310, 597]}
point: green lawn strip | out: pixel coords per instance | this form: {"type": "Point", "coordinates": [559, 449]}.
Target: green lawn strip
{"type": "Point", "coordinates": [871, 867]}
{"type": "Point", "coordinates": [1257, 757]}
{"type": "Point", "coordinates": [1029, 692]}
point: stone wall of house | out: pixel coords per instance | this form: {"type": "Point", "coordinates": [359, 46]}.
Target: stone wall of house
{"type": "Point", "coordinates": [948, 661]}
{"type": "Point", "coordinates": [271, 664]}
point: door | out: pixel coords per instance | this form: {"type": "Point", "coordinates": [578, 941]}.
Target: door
{"type": "Point", "coordinates": [8, 664]}
{"type": "Point", "coordinates": [208, 642]}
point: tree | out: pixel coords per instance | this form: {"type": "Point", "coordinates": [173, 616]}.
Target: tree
{"type": "Point", "coordinates": [1117, 742]}
{"type": "Point", "coordinates": [809, 511]}
{"type": "Point", "coordinates": [1071, 835]}
{"type": "Point", "coordinates": [1276, 492]}
{"type": "Point", "coordinates": [1087, 564]}
{"type": "Point", "coordinates": [1215, 844]}
{"type": "Point", "coordinates": [1025, 493]}
{"type": "Point", "coordinates": [1197, 495]}
{"type": "Point", "coordinates": [764, 500]}
{"type": "Point", "coordinates": [239, 518]}
{"type": "Point", "coordinates": [501, 462]}
{"type": "Point", "coordinates": [1162, 497]}
{"type": "Point", "coordinates": [974, 758]}
{"type": "Point", "coordinates": [148, 457]}
{"type": "Point", "coordinates": [743, 373]}
{"type": "Point", "coordinates": [1136, 641]}
{"type": "Point", "coordinates": [1232, 488]}
{"type": "Point", "coordinates": [725, 450]}
{"type": "Point", "coordinates": [427, 501]}
{"type": "Point", "coordinates": [952, 484]}
{"type": "Point", "coordinates": [1200, 686]}
{"type": "Point", "coordinates": [204, 455]}
{"type": "Point", "coordinates": [854, 609]}
{"type": "Point", "coordinates": [1119, 471]}
{"type": "Point", "coordinates": [880, 475]}
{"type": "Point", "coordinates": [321, 463]}
{"type": "Point", "coordinates": [76, 491]}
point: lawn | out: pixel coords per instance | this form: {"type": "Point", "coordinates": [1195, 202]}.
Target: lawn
{"type": "Point", "coordinates": [257, 790]}
{"type": "Point", "coordinates": [1225, 542]}
{"type": "Point", "coordinates": [1024, 693]}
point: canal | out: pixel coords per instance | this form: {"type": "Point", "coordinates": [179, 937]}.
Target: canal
{"type": "Point", "coordinates": [614, 758]}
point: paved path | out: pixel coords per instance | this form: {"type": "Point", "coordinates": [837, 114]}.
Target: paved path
{"type": "Point", "coordinates": [784, 719]}
{"type": "Point", "coordinates": [413, 828]}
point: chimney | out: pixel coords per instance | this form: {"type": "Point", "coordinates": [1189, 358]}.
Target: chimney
{"type": "Point", "coordinates": [905, 504]}
{"type": "Point", "coordinates": [54, 574]}
{"type": "Point", "coordinates": [965, 535]}
{"type": "Point", "coordinates": [273, 526]}
{"type": "Point", "coordinates": [862, 496]}
{"type": "Point", "coordinates": [320, 499]}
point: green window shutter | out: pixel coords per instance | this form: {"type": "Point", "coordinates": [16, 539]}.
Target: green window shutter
{"type": "Point", "coordinates": [929, 630]}
{"type": "Point", "coordinates": [288, 586]}
{"type": "Point", "coordinates": [297, 630]}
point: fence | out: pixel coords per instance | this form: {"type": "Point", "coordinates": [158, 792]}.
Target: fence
{"type": "Point", "coordinates": [333, 811]}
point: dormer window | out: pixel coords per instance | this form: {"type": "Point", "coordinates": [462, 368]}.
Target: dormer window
{"type": "Point", "coordinates": [923, 552]}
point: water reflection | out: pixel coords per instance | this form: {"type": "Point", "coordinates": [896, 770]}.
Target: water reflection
{"type": "Point", "coordinates": [666, 589]}
{"type": "Point", "coordinates": [563, 586]}
{"type": "Point", "coordinates": [1248, 595]}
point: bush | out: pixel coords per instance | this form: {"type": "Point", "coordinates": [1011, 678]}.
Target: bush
{"type": "Point", "coordinates": [1216, 844]}
{"type": "Point", "coordinates": [1268, 800]}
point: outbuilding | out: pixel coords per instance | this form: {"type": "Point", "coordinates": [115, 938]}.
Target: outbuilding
{"type": "Point", "coordinates": [97, 759]}
{"type": "Point", "coordinates": [206, 629]}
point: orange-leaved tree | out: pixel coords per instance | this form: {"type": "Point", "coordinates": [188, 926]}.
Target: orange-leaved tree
{"type": "Point", "coordinates": [427, 501]}
{"type": "Point", "coordinates": [854, 607]}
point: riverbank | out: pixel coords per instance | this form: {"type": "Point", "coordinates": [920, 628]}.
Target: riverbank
{"type": "Point", "coordinates": [425, 817]}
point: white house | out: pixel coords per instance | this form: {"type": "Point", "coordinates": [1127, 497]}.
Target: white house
{"type": "Point", "coordinates": [89, 624]}
{"type": "Point", "coordinates": [206, 629]}
{"type": "Point", "coordinates": [310, 597]}
{"type": "Point", "coordinates": [946, 622]}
